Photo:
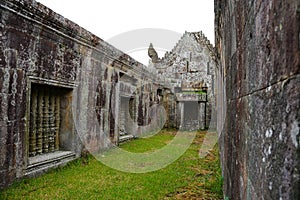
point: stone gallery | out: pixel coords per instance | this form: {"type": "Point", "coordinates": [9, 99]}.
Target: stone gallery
{"type": "Point", "coordinates": [57, 79]}
{"type": "Point", "coordinates": [64, 91]}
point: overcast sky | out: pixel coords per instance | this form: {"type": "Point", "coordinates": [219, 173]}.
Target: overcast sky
{"type": "Point", "coordinates": [110, 18]}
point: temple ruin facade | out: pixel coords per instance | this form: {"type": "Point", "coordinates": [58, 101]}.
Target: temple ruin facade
{"type": "Point", "coordinates": [64, 91]}
{"type": "Point", "coordinates": [189, 70]}
{"type": "Point", "coordinates": [53, 71]}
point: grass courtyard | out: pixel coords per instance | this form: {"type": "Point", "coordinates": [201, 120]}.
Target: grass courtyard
{"type": "Point", "coordinates": [189, 177]}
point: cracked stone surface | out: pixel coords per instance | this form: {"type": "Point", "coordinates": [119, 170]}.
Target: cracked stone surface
{"type": "Point", "coordinates": [259, 63]}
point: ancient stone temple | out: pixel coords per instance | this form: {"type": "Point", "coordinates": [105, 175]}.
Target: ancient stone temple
{"type": "Point", "coordinates": [189, 70]}
{"type": "Point", "coordinates": [258, 44]}
{"type": "Point", "coordinates": [63, 89]}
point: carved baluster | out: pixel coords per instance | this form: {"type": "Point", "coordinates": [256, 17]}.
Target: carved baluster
{"type": "Point", "coordinates": [39, 136]}
{"type": "Point", "coordinates": [46, 123]}
{"type": "Point", "coordinates": [57, 121]}
{"type": "Point", "coordinates": [33, 125]}
{"type": "Point", "coordinates": [52, 123]}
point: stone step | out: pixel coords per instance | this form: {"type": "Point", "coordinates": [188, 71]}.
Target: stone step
{"type": "Point", "coordinates": [125, 138]}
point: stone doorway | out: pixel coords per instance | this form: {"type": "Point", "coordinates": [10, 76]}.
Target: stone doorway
{"type": "Point", "coordinates": [126, 118]}
{"type": "Point", "coordinates": [191, 115]}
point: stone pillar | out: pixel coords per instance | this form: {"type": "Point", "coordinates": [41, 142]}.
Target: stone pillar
{"type": "Point", "coordinates": [135, 116]}
{"type": "Point", "coordinates": [123, 116]}
{"type": "Point", "coordinates": [201, 115]}
{"type": "Point", "coordinates": [33, 124]}
{"type": "Point", "coordinates": [181, 114]}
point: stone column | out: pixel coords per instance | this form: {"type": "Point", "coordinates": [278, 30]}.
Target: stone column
{"type": "Point", "coordinates": [33, 124]}
{"type": "Point", "coordinates": [201, 115]}
{"type": "Point", "coordinates": [181, 114]}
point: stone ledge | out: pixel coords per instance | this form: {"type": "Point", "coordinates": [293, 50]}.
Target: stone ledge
{"type": "Point", "coordinates": [42, 163]}
{"type": "Point", "coordinates": [125, 138]}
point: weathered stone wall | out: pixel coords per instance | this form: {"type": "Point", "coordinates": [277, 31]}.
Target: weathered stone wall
{"type": "Point", "coordinates": [189, 62]}
{"type": "Point", "coordinates": [41, 47]}
{"type": "Point", "coordinates": [258, 43]}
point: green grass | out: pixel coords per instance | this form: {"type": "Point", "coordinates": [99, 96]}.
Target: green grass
{"type": "Point", "coordinates": [189, 177]}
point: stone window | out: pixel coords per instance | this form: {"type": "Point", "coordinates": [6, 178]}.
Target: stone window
{"type": "Point", "coordinates": [45, 119]}
{"type": "Point", "coordinates": [50, 132]}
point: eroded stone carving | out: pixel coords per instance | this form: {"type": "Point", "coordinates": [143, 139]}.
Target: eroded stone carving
{"type": "Point", "coordinates": [152, 54]}
{"type": "Point", "coordinates": [44, 122]}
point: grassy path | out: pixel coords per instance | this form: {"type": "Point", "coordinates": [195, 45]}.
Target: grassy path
{"type": "Point", "coordinates": [189, 177]}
